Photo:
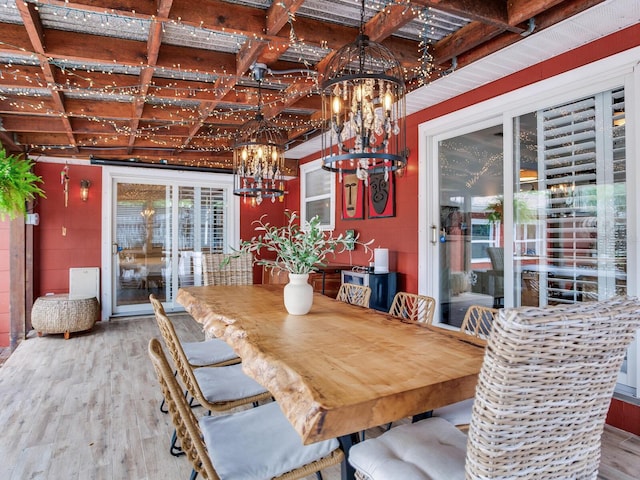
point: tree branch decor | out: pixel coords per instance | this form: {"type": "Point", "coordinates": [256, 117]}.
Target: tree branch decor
{"type": "Point", "coordinates": [299, 249]}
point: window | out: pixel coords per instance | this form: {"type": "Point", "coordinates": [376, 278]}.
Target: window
{"type": "Point", "coordinates": [317, 194]}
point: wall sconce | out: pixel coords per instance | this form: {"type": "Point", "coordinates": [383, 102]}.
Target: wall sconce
{"type": "Point", "coordinates": [84, 189]}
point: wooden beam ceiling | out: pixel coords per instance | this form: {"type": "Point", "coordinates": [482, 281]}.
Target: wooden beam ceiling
{"type": "Point", "coordinates": [172, 79]}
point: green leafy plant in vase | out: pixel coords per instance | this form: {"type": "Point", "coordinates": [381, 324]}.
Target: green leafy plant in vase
{"type": "Point", "coordinates": [300, 248]}
{"type": "Point", "coordinates": [18, 185]}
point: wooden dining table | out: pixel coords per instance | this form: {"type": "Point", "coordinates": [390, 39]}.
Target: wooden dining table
{"type": "Point", "coordinates": [339, 369]}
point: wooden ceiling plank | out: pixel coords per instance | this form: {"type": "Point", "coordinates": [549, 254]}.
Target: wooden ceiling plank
{"type": "Point", "coordinates": [7, 142]}
{"type": "Point", "coordinates": [33, 25]}
{"type": "Point", "coordinates": [249, 52]}
{"type": "Point", "coordinates": [14, 39]}
{"type": "Point", "coordinates": [32, 123]}
{"type": "Point", "coordinates": [491, 12]}
{"type": "Point", "coordinates": [388, 21]}
{"type": "Point", "coordinates": [522, 10]}
{"type": "Point", "coordinates": [204, 111]}
{"type": "Point", "coordinates": [278, 14]}
{"type": "Point", "coordinates": [35, 31]}
{"type": "Point", "coordinates": [544, 20]}
{"type": "Point", "coordinates": [163, 8]}
{"type": "Point", "coordinates": [465, 39]}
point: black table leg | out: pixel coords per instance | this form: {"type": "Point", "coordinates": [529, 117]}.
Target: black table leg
{"type": "Point", "coordinates": [347, 471]}
{"type": "Point", "coordinates": [422, 416]}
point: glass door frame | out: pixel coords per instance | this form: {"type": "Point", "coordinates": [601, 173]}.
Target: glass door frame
{"type": "Point", "coordinates": [175, 178]}
{"type": "Point", "coordinates": [429, 208]}
{"type": "Point", "coordinates": [591, 79]}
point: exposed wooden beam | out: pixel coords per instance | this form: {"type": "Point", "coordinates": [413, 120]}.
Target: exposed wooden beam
{"type": "Point", "coordinates": [248, 54]}
{"type": "Point", "coordinates": [544, 20]}
{"type": "Point", "coordinates": [278, 14]}
{"type": "Point", "coordinates": [465, 39]}
{"type": "Point", "coordinates": [388, 21]}
{"type": "Point", "coordinates": [35, 31]}
{"type": "Point", "coordinates": [522, 10]}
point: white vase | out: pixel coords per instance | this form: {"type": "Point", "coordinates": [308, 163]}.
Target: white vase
{"type": "Point", "coordinates": [298, 294]}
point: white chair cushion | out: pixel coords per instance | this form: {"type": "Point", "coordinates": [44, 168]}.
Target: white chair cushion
{"type": "Point", "coordinates": [457, 413]}
{"type": "Point", "coordinates": [432, 449]}
{"type": "Point", "coordinates": [258, 444]}
{"type": "Point", "coordinates": [223, 384]}
{"type": "Point", "coordinates": [209, 352]}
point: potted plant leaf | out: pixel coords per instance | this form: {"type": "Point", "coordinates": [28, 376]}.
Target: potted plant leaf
{"type": "Point", "coordinates": [18, 185]}
{"type": "Point", "coordinates": [299, 250]}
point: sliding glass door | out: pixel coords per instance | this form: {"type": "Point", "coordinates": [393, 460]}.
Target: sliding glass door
{"type": "Point", "coordinates": [160, 230]}
{"type": "Point", "coordinates": [534, 211]}
{"type": "Point", "coordinates": [470, 224]}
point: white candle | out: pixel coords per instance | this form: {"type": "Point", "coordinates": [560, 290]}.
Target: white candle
{"type": "Point", "coordinates": [381, 258]}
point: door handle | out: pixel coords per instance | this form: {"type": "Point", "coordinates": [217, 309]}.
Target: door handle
{"type": "Point", "coordinates": [434, 234]}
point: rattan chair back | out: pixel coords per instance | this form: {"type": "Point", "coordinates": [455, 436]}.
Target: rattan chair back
{"type": "Point", "coordinates": [544, 389]}
{"type": "Point", "coordinates": [237, 270]}
{"type": "Point", "coordinates": [416, 308]}
{"type": "Point", "coordinates": [182, 416]}
{"type": "Point", "coordinates": [354, 294]}
{"type": "Point", "coordinates": [478, 320]}
{"type": "Point", "coordinates": [186, 371]}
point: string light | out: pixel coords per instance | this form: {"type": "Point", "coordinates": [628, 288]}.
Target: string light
{"type": "Point", "coordinates": [184, 110]}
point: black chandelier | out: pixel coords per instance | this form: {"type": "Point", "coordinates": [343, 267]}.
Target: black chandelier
{"type": "Point", "coordinates": [258, 155]}
{"type": "Point", "coordinates": [364, 110]}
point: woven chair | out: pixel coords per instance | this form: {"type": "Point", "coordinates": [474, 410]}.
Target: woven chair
{"type": "Point", "coordinates": [477, 322]}
{"type": "Point", "coordinates": [354, 294]}
{"type": "Point", "coordinates": [258, 443]}
{"type": "Point", "coordinates": [217, 389]}
{"type": "Point", "coordinates": [496, 275]}
{"type": "Point", "coordinates": [238, 270]}
{"type": "Point", "coordinates": [541, 402]}
{"type": "Point", "coordinates": [207, 353]}
{"type": "Point", "coordinates": [417, 308]}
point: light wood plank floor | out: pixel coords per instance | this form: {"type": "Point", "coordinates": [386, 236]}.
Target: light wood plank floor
{"type": "Point", "coordinates": [87, 408]}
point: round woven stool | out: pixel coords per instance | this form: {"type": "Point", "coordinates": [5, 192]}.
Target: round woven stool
{"type": "Point", "coordinates": [63, 313]}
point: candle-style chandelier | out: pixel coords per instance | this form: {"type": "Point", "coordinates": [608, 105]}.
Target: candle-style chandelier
{"type": "Point", "coordinates": [258, 154]}
{"type": "Point", "coordinates": [364, 110]}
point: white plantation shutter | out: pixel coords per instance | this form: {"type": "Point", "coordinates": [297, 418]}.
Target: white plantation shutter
{"type": "Point", "coordinates": [201, 229]}
{"type": "Point", "coordinates": [201, 220]}
{"type": "Point", "coordinates": [582, 157]}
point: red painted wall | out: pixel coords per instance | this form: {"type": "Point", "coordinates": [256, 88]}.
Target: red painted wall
{"type": "Point", "coordinates": [5, 324]}
{"type": "Point", "coordinates": [55, 253]}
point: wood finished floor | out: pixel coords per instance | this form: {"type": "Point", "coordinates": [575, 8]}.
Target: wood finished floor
{"type": "Point", "coordinates": [87, 408]}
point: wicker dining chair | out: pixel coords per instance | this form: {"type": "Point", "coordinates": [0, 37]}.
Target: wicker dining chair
{"type": "Point", "coordinates": [258, 443]}
{"type": "Point", "coordinates": [207, 353]}
{"type": "Point", "coordinates": [477, 322]}
{"type": "Point", "coordinates": [217, 389]}
{"type": "Point", "coordinates": [354, 294]}
{"type": "Point", "coordinates": [227, 269]}
{"type": "Point", "coordinates": [542, 398]}
{"type": "Point", "coordinates": [417, 308]}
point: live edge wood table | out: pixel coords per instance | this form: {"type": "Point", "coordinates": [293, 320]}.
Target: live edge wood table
{"type": "Point", "coordinates": [340, 369]}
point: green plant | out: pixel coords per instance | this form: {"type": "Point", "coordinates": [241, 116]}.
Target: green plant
{"type": "Point", "coordinates": [18, 185]}
{"type": "Point", "coordinates": [521, 211]}
{"type": "Point", "coordinates": [298, 250]}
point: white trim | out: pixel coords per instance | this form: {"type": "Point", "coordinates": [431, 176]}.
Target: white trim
{"type": "Point", "coordinates": [146, 175]}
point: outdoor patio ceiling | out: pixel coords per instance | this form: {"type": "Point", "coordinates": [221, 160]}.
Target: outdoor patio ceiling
{"type": "Point", "coordinates": [170, 82]}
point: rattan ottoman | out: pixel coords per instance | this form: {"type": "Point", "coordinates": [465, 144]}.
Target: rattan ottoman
{"type": "Point", "coordinates": [64, 313]}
